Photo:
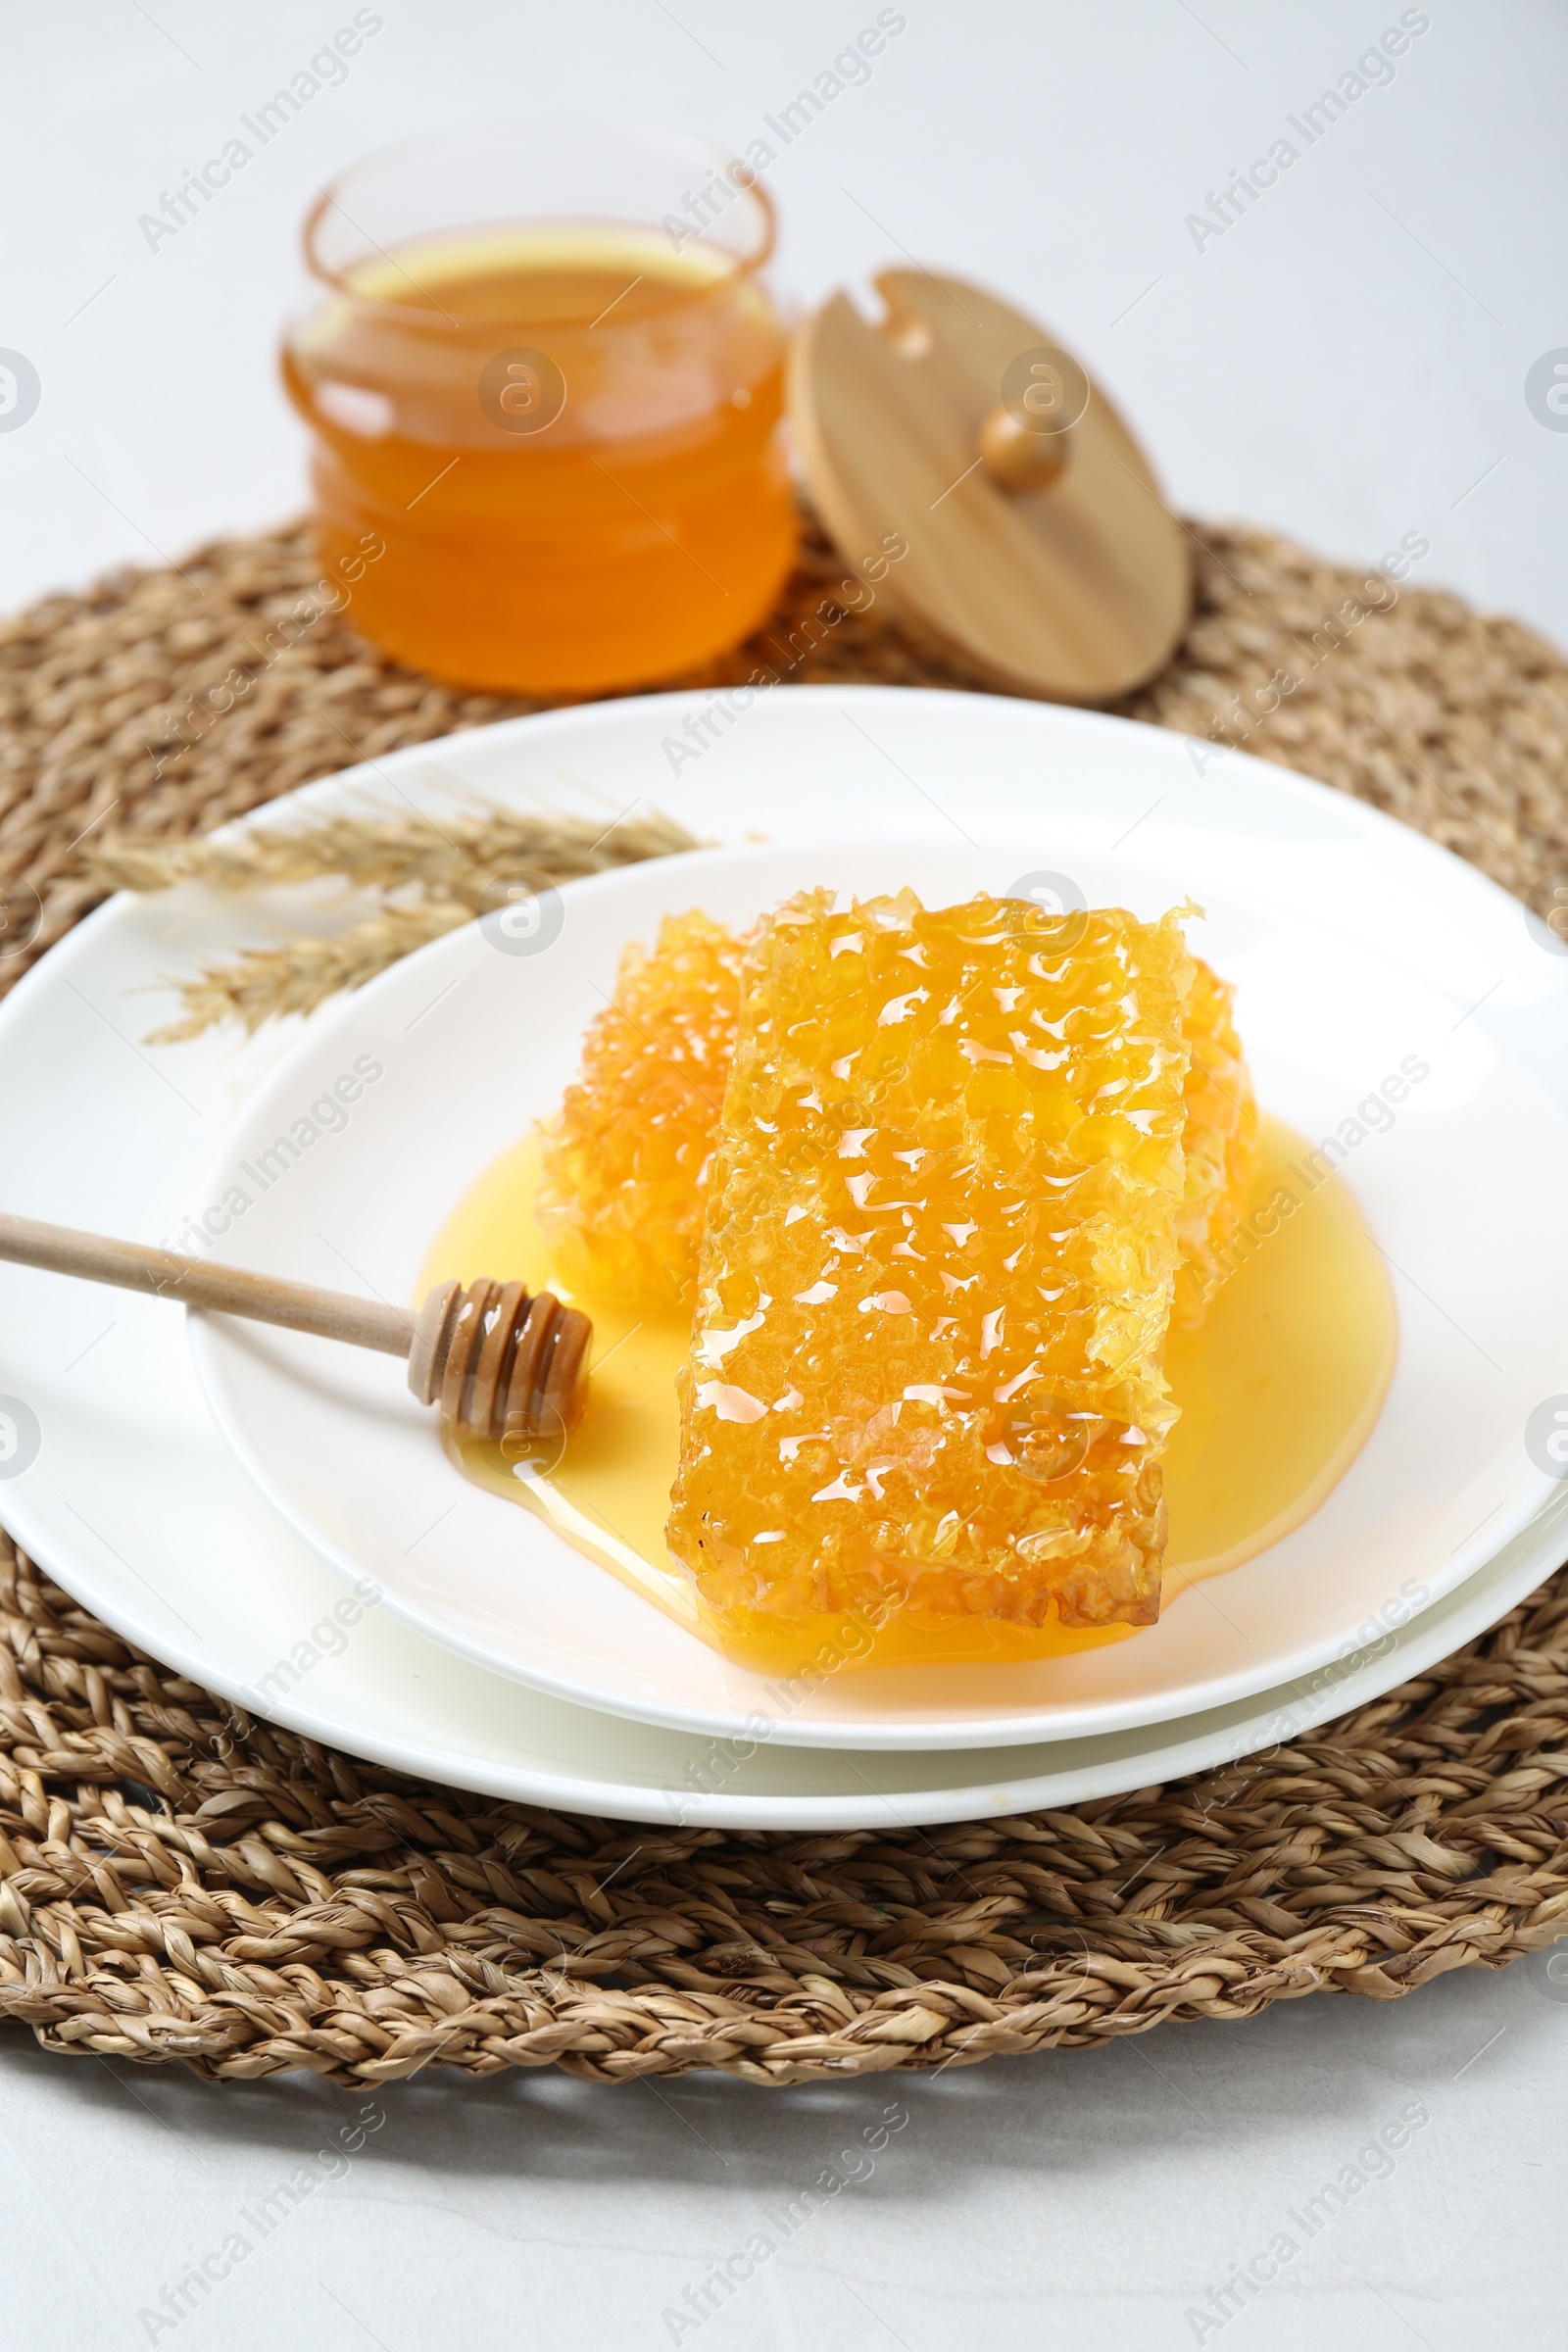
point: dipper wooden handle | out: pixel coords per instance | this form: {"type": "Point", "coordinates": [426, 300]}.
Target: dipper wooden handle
{"type": "Point", "coordinates": [498, 1362]}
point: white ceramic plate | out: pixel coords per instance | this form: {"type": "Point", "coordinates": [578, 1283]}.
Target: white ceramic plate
{"type": "Point", "coordinates": [1460, 1191]}
{"type": "Point", "coordinates": [136, 1504]}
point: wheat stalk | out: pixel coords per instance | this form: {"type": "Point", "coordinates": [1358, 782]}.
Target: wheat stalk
{"type": "Point", "coordinates": [393, 852]}
{"type": "Point", "coordinates": [267, 982]}
{"type": "Point", "coordinates": [434, 877]}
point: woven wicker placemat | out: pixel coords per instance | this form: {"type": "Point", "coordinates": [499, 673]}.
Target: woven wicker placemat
{"type": "Point", "coordinates": [181, 1882]}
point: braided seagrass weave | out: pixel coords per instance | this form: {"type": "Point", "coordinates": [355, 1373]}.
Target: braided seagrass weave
{"type": "Point", "coordinates": [179, 1881]}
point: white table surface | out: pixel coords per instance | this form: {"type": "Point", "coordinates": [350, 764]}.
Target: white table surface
{"type": "Point", "coordinates": [1347, 362]}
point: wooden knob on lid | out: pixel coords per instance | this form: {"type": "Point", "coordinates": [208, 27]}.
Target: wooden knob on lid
{"type": "Point", "coordinates": [978, 483]}
{"type": "Point", "coordinates": [1018, 458]}
{"type": "Point", "coordinates": [1026, 439]}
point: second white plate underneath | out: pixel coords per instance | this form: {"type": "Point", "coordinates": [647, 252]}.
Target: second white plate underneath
{"type": "Point", "coordinates": [1459, 1192]}
{"type": "Point", "coordinates": [136, 1505]}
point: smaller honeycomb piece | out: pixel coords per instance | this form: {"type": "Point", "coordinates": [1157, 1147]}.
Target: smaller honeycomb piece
{"type": "Point", "coordinates": [1220, 1143]}
{"type": "Point", "coordinates": [624, 1163]}
{"type": "Point", "coordinates": [937, 1269]}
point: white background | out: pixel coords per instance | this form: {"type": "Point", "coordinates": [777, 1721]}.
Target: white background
{"type": "Point", "coordinates": [1345, 363]}
{"type": "Point", "coordinates": [1348, 363]}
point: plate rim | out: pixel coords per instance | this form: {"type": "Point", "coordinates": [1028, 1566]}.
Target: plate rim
{"type": "Point", "coordinates": [1422, 1640]}
{"type": "Point", "coordinates": [1293, 782]}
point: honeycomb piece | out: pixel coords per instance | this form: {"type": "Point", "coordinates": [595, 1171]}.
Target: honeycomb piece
{"type": "Point", "coordinates": [685, 994]}
{"type": "Point", "coordinates": [1220, 1144]}
{"type": "Point", "coordinates": [624, 1163]}
{"type": "Point", "coordinates": [935, 1273]}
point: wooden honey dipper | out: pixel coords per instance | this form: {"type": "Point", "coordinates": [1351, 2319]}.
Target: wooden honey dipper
{"type": "Point", "coordinates": [500, 1363]}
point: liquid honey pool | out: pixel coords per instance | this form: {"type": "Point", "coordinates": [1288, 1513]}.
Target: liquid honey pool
{"type": "Point", "coordinates": [1279, 1389]}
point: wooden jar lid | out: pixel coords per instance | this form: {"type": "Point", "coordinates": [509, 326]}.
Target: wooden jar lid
{"type": "Point", "coordinates": [1040, 552]}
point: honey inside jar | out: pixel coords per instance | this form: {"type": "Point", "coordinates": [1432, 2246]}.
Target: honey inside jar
{"type": "Point", "coordinates": [561, 434]}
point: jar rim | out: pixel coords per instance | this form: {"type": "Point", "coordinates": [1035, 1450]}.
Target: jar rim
{"type": "Point", "coordinates": [743, 179]}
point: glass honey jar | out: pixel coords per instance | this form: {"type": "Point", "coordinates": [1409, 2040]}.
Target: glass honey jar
{"type": "Point", "coordinates": [547, 382]}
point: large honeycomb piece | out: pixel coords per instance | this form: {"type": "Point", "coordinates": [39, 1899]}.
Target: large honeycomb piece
{"type": "Point", "coordinates": [624, 1163]}
{"type": "Point", "coordinates": [624, 1207]}
{"type": "Point", "coordinates": [937, 1268]}
{"type": "Point", "coordinates": [1220, 1144]}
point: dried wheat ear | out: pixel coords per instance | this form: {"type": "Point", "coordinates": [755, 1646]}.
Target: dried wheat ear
{"type": "Point", "coordinates": [433, 876]}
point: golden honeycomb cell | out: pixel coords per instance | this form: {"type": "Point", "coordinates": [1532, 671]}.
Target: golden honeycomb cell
{"type": "Point", "coordinates": [624, 1163]}
{"type": "Point", "coordinates": [936, 1270]}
